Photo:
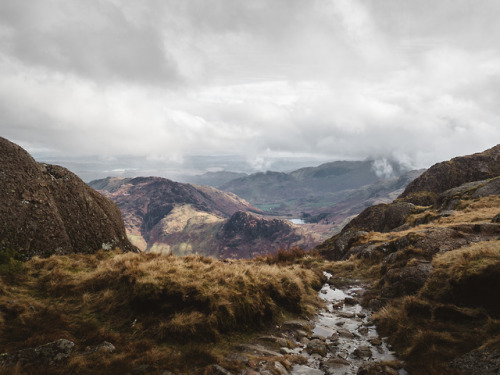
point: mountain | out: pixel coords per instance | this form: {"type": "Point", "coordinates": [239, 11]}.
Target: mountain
{"type": "Point", "coordinates": [214, 179]}
{"type": "Point", "coordinates": [45, 209]}
{"type": "Point", "coordinates": [307, 187]}
{"type": "Point", "coordinates": [171, 217]}
{"type": "Point", "coordinates": [328, 195]}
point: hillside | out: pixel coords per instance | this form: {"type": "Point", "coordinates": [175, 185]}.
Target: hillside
{"type": "Point", "coordinates": [328, 194]}
{"type": "Point", "coordinates": [449, 174]}
{"type": "Point", "coordinates": [434, 269]}
{"type": "Point", "coordinates": [46, 209]}
{"type": "Point", "coordinates": [170, 217]}
{"type": "Point", "coordinates": [214, 179]}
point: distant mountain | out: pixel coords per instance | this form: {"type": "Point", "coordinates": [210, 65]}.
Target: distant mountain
{"type": "Point", "coordinates": [329, 193]}
{"type": "Point", "coordinates": [45, 209]}
{"type": "Point", "coordinates": [382, 191]}
{"type": "Point", "coordinates": [170, 217]}
{"type": "Point", "coordinates": [214, 179]}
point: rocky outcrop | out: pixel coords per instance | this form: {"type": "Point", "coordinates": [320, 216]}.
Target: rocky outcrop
{"type": "Point", "coordinates": [381, 218]}
{"type": "Point", "coordinates": [449, 174]}
{"type": "Point", "coordinates": [45, 209]}
{"type": "Point", "coordinates": [49, 354]}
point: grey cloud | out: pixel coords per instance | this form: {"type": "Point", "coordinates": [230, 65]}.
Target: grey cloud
{"type": "Point", "coordinates": [264, 80]}
{"type": "Point", "coordinates": [93, 39]}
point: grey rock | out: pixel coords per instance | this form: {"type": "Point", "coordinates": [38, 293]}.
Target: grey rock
{"type": "Point", "coordinates": [363, 352]}
{"type": "Point", "coordinates": [306, 370]}
{"type": "Point", "coordinates": [318, 347]}
{"type": "Point", "coordinates": [337, 362]}
{"type": "Point", "coordinates": [345, 333]}
{"type": "Point", "coordinates": [346, 314]}
{"type": "Point", "coordinates": [48, 354]}
{"type": "Point", "coordinates": [219, 370]}
{"type": "Point", "coordinates": [286, 351]}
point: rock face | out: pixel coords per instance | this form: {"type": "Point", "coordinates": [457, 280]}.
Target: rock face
{"type": "Point", "coordinates": [165, 216]}
{"type": "Point", "coordinates": [449, 174]}
{"type": "Point", "coordinates": [46, 209]}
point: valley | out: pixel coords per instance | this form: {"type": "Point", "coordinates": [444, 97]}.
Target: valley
{"type": "Point", "coordinates": [220, 287]}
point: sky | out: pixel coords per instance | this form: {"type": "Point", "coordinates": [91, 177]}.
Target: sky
{"type": "Point", "coordinates": [166, 87]}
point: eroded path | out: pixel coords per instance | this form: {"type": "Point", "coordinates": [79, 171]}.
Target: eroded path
{"type": "Point", "coordinates": [347, 333]}
{"type": "Point", "coordinates": [340, 340]}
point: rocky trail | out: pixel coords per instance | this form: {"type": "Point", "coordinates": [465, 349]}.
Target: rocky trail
{"type": "Point", "coordinates": [340, 340]}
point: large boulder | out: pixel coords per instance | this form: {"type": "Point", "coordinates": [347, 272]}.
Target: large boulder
{"type": "Point", "coordinates": [45, 209]}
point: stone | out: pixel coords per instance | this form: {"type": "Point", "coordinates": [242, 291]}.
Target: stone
{"type": "Point", "coordinates": [375, 341]}
{"type": "Point", "coordinates": [306, 370]}
{"type": "Point", "coordinates": [286, 351]}
{"type": "Point", "coordinates": [280, 368]}
{"type": "Point", "coordinates": [363, 330]}
{"type": "Point", "coordinates": [346, 333]}
{"type": "Point", "coordinates": [319, 337]}
{"type": "Point", "coordinates": [48, 354]}
{"type": "Point", "coordinates": [337, 362]}
{"type": "Point", "coordinates": [346, 314]}
{"type": "Point", "coordinates": [363, 352]}
{"type": "Point", "coordinates": [351, 301]}
{"type": "Point", "coordinates": [304, 341]}
{"type": "Point", "coordinates": [317, 346]}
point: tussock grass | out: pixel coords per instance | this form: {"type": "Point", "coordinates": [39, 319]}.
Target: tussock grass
{"type": "Point", "coordinates": [148, 305]}
{"type": "Point", "coordinates": [455, 311]}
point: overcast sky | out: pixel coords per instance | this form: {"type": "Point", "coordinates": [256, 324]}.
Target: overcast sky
{"type": "Point", "coordinates": [148, 84]}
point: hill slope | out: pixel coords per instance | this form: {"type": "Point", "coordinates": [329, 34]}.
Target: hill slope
{"type": "Point", "coordinates": [46, 209]}
{"type": "Point", "coordinates": [170, 217]}
{"type": "Point", "coordinates": [449, 174]}
{"type": "Point", "coordinates": [434, 269]}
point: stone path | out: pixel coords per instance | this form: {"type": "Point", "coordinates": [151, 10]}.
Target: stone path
{"type": "Point", "coordinates": [341, 340]}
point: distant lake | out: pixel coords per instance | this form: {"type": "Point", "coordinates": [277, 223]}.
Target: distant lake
{"type": "Point", "coordinates": [297, 221]}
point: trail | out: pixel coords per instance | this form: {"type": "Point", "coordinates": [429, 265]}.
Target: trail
{"type": "Point", "coordinates": [346, 331]}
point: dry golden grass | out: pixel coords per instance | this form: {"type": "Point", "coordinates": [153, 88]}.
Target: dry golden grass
{"type": "Point", "coordinates": [456, 310]}
{"type": "Point", "coordinates": [147, 305]}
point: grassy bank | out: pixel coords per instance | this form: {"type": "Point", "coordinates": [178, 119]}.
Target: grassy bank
{"type": "Point", "coordinates": [167, 312]}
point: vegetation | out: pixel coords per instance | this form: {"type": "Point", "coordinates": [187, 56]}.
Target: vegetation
{"type": "Point", "coordinates": [156, 309]}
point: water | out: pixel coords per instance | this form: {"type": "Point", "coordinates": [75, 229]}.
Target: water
{"type": "Point", "coordinates": [352, 323]}
{"type": "Point", "coordinates": [297, 221]}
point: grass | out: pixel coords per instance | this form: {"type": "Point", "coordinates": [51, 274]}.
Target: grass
{"type": "Point", "coordinates": [166, 311]}
{"type": "Point", "coordinates": [453, 313]}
